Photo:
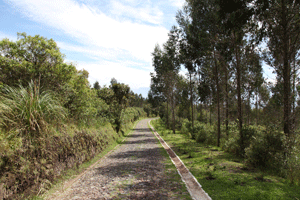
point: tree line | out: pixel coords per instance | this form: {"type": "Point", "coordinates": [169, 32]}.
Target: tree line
{"type": "Point", "coordinates": [223, 45]}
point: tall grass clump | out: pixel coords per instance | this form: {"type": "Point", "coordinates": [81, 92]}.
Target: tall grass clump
{"type": "Point", "coordinates": [29, 110]}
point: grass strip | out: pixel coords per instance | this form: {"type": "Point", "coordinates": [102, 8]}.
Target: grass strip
{"type": "Point", "coordinates": [222, 175]}
{"type": "Point", "coordinates": [172, 175]}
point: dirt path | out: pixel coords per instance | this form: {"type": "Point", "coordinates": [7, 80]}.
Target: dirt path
{"type": "Point", "coordinates": [134, 170]}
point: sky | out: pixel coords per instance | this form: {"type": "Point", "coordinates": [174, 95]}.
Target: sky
{"type": "Point", "coordinates": [108, 38]}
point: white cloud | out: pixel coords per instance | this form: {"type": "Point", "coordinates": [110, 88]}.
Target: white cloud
{"type": "Point", "coordinates": [141, 14]}
{"type": "Point", "coordinates": [94, 52]}
{"type": "Point", "coordinates": [91, 26]}
{"type": "Point", "coordinates": [103, 72]}
{"type": "Point", "coordinates": [178, 3]}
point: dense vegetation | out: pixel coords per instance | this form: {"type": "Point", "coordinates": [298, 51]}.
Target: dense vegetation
{"type": "Point", "coordinates": [224, 99]}
{"type": "Point", "coordinates": [51, 119]}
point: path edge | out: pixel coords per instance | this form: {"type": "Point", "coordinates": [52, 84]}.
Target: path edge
{"type": "Point", "coordinates": [192, 195]}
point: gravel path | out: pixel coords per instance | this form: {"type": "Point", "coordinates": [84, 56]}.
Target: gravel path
{"type": "Point", "coordinates": [134, 170]}
{"type": "Point", "coordinates": [191, 182]}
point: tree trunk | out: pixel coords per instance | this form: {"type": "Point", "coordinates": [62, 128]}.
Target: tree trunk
{"type": "Point", "coordinates": [249, 108]}
{"type": "Point", "coordinates": [173, 112]}
{"type": "Point", "coordinates": [286, 75]}
{"type": "Point", "coordinates": [256, 106]}
{"type": "Point", "coordinates": [238, 78]}
{"type": "Point", "coordinates": [192, 107]}
{"type": "Point", "coordinates": [218, 100]}
{"type": "Point", "coordinates": [294, 95]}
{"type": "Point", "coordinates": [227, 99]}
{"type": "Point", "coordinates": [168, 114]}
{"type": "Point", "coordinates": [210, 111]}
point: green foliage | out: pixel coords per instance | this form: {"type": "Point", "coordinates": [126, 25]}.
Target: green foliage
{"type": "Point", "coordinates": [223, 175]}
{"type": "Point", "coordinates": [293, 159]}
{"type": "Point", "coordinates": [57, 121]}
{"type": "Point", "coordinates": [202, 133]}
{"type": "Point", "coordinates": [233, 143]}
{"type": "Point", "coordinates": [34, 167]}
{"type": "Point", "coordinates": [33, 58]}
{"type": "Point", "coordinates": [29, 111]}
{"type": "Point", "coordinates": [266, 150]}
{"type": "Point", "coordinates": [9, 144]}
{"type": "Point", "coordinates": [130, 115]}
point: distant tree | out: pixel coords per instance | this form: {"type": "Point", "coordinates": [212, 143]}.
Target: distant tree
{"type": "Point", "coordinates": [97, 85]}
{"type": "Point", "coordinates": [120, 98]}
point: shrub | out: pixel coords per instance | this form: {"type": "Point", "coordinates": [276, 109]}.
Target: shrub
{"type": "Point", "coordinates": [233, 143]}
{"type": "Point", "coordinates": [201, 136]}
{"type": "Point", "coordinates": [266, 150]}
{"type": "Point", "coordinates": [185, 126]}
{"type": "Point", "coordinates": [248, 133]}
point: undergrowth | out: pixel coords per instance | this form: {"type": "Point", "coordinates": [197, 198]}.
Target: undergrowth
{"type": "Point", "coordinates": [224, 175]}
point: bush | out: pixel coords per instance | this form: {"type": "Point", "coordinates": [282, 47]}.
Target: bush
{"type": "Point", "coordinates": [233, 143]}
{"type": "Point", "coordinates": [185, 127]}
{"type": "Point", "coordinates": [266, 150]}
{"type": "Point", "coordinates": [293, 159]}
{"type": "Point", "coordinates": [201, 132]}
{"type": "Point", "coordinates": [248, 133]}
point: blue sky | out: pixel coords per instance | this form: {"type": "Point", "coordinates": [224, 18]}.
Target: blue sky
{"type": "Point", "coordinates": [108, 38]}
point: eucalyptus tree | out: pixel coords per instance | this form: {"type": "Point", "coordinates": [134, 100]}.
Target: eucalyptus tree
{"type": "Point", "coordinates": [199, 20]}
{"type": "Point", "coordinates": [252, 76]}
{"type": "Point", "coordinates": [234, 20]}
{"type": "Point", "coordinates": [279, 24]}
{"type": "Point", "coordinates": [188, 52]}
{"type": "Point", "coordinates": [166, 65]}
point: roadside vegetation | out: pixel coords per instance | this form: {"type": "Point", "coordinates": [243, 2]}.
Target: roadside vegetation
{"type": "Point", "coordinates": [51, 119]}
{"type": "Point", "coordinates": [224, 102]}
{"type": "Point", "coordinates": [224, 175]}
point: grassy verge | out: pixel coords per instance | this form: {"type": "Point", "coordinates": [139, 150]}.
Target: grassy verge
{"type": "Point", "coordinates": [172, 175]}
{"type": "Point", "coordinates": [72, 173]}
{"type": "Point", "coordinates": [224, 176]}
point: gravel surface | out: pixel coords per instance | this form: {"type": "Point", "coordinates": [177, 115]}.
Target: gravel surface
{"type": "Point", "coordinates": [134, 170]}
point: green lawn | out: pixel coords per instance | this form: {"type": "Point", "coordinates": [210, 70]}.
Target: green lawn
{"type": "Point", "coordinates": [224, 176]}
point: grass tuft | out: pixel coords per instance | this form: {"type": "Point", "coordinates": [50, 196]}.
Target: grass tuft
{"type": "Point", "coordinates": [29, 110]}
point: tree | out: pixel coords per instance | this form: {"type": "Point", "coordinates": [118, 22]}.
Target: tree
{"type": "Point", "coordinates": [233, 19]}
{"type": "Point", "coordinates": [163, 81]}
{"type": "Point", "coordinates": [96, 86]}
{"type": "Point", "coordinates": [280, 24]}
{"type": "Point", "coordinates": [202, 35]}
{"type": "Point", "coordinates": [119, 102]}
{"type": "Point", "coordinates": [34, 58]}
